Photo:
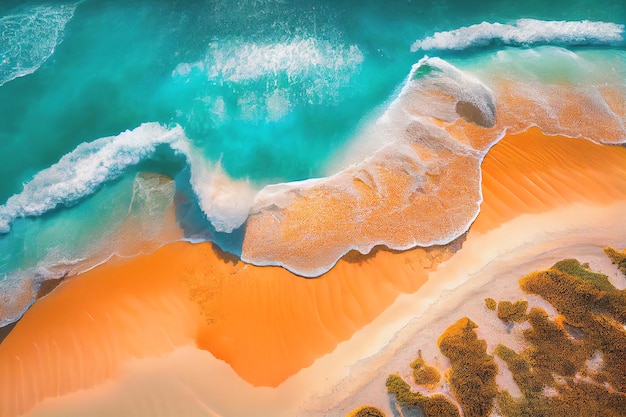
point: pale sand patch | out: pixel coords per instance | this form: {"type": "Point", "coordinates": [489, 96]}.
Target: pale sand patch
{"type": "Point", "coordinates": [192, 382]}
{"type": "Point", "coordinates": [265, 322]}
{"type": "Point", "coordinates": [188, 382]}
{"type": "Point", "coordinates": [489, 265]}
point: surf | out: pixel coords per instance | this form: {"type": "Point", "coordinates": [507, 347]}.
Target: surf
{"type": "Point", "coordinates": [524, 32]}
{"type": "Point", "coordinates": [29, 37]}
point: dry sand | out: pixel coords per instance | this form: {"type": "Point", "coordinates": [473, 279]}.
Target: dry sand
{"type": "Point", "coordinates": [192, 382]}
{"type": "Point", "coordinates": [123, 338]}
{"type": "Point", "coordinates": [489, 265]}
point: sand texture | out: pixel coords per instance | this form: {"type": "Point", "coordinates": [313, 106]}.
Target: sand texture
{"type": "Point", "coordinates": [177, 310]}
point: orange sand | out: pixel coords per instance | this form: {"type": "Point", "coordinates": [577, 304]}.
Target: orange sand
{"type": "Point", "coordinates": [84, 331]}
{"type": "Point", "coordinates": [413, 193]}
{"type": "Point", "coordinates": [268, 324]}
{"type": "Point", "coordinates": [423, 188]}
{"type": "Point", "coordinates": [265, 322]}
{"type": "Point", "coordinates": [532, 173]}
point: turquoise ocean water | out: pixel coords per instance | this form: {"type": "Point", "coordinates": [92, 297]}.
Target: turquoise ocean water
{"type": "Point", "coordinates": [270, 91]}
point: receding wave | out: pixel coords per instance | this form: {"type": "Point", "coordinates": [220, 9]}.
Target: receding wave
{"type": "Point", "coordinates": [421, 185]}
{"type": "Point", "coordinates": [225, 202]}
{"type": "Point", "coordinates": [29, 38]}
{"type": "Point", "coordinates": [524, 32]}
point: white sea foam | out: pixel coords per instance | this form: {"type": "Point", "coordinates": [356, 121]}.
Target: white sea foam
{"type": "Point", "coordinates": [295, 71]}
{"type": "Point", "coordinates": [29, 38]}
{"type": "Point", "coordinates": [224, 201]}
{"type": "Point", "coordinates": [524, 32]}
{"type": "Point", "coordinates": [430, 113]}
{"type": "Point", "coordinates": [237, 62]}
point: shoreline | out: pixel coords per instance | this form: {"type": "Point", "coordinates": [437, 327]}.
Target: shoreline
{"type": "Point", "coordinates": [328, 386]}
{"type": "Point", "coordinates": [268, 324]}
{"type": "Point", "coordinates": [496, 278]}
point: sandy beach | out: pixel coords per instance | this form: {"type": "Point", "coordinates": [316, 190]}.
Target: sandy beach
{"type": "Point", "coordinates": [459, 287]}
{"type": "Point", "coordinates": [197, 383]}
{"type": "Point", "coordinates": [189, 330]}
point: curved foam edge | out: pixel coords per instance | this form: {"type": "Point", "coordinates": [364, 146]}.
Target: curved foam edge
{"type": "Point", "coordinates": [42, 28]}
{"type": "Point", "coordinates": [80, 173]}
{"type": "Point", "coordinates": [430, 149]}
{"type": "Point", "coordinates": [524, 32]}
{"type": "Point", "coordinates": [267, 324]}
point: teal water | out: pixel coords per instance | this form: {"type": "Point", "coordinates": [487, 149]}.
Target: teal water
{"type": "Point", "coordinates": [113, 71]}
{"type": "Point", "coordinates": [270, 89]}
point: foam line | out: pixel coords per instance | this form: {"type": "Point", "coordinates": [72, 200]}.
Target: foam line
{"type": "Point", "coordinates": [224, 201]}
{"type": "Point", "coordinates": [420, 185]}
{"type": "Point", "coordinates": [524, 32]}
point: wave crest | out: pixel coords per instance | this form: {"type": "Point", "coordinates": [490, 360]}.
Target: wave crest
{"type": "Point", "coordinates": [524, 32]}
{"type": "Point", "coordinates": [224, 201]}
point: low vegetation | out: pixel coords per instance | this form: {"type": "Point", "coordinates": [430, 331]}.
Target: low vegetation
{"type": "Point", "coordinates": [572, 364]}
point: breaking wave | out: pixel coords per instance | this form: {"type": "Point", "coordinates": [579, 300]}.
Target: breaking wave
{"type": "Point", "coordinates": [524, 32]}
{"type": "Point", "coordinates": [81, 172]}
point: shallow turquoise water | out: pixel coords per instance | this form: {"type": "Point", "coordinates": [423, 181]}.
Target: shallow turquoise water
{"type": "Point", "coordinates": [270, 89]}
{"type": "Point", "coordinates": [114, 70]}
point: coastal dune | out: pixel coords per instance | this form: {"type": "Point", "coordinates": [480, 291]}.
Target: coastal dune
{"type": "Point", "coordinates": [91, 333]}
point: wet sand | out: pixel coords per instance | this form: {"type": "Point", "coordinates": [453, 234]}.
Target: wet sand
{"type": "Point", "coordinates": [458, 289]}
{"type": "Point", "coordinates": [190, 381]}
{"type": "Point", "coordinates": [161, 314]}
